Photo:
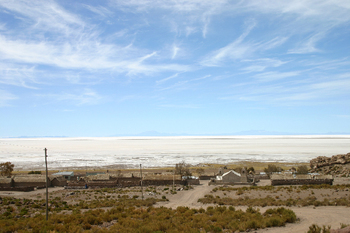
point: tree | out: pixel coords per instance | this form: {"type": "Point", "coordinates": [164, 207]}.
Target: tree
{"type": "Point", "coordinates": [302, 169]}
{"type": "Point", "coordinates": [251, 170]}
{"type": "Point", "coordinates": [119, 173]}
{"type": "Point", "coordinates": [200, 171]}
{"type": "Point", "coordinates": [183, 169]}
{"type": "Point", "coordinates": [238, 169]}
{"type": "Point", "coordinates": [271, 168]}
{"type": "Point", "coordinates": [35, 172]}
{"type": "Point", "coordinates": [6, 168]}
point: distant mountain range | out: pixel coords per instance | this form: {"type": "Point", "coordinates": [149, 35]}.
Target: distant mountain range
{"type": "Point", "coordinates": [240, 133]}
{"type": "Point", "coordinates": [160, 134]}
{"type": "Point", "coordinates": [38, 137]}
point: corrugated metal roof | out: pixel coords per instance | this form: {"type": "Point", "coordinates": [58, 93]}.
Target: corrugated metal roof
{"type": "Point", "coordinates": [64, 174]}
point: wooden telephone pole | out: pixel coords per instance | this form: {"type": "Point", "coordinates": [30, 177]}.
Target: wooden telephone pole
{"type": "Point", "coordinates": [141, 181]}
{"type": "Point", "coordinates": [47, 188]}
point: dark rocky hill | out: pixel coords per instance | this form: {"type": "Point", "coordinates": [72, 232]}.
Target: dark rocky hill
{"type": "Point", "coordinates": [337, 165]}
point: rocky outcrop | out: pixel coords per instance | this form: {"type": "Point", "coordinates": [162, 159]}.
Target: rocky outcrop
{"type": "Point", "coordinates": [337, 165]}
{"type": "Point", "coordinates": [343, 230]}
{"type": "Point", "coordinates": [322, 161]}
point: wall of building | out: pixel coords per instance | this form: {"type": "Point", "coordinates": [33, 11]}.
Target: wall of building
{"type": "Point", "coordinates": [206, 177]}
{"type": "Point", "coordinates": [21, 189]}
{"type": "Point", "coordinates": [6, 183]}
{"type": "Point", "coordinates": [102, 184]}
{"type": "Point", "coordinates": [161, 182]}
{"type": "Point", "coordinates": [58, 183]}
{"type": "Point", "coordinates": [231, 178]}
{"type": "Point", "coordinates": [29, 184]}
{"type": "Point", "coordinates": [301, 181]}
{"type": "Point", "coordinates": [191, 182]}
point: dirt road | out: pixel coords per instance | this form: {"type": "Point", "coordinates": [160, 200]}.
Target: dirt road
{"type": "Point", "coordinates": [325, 215]}
{"type": "Point", "coordinates": [188, 198]}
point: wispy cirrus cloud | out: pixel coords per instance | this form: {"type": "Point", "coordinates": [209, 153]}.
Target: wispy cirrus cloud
{"type": "Point", "coordinates": [46, 15]}
{"type": "Point", "coordinates": [180, 85]}
{"type": "Point", "coordinates": [308, 46]}
{"type": "Point", "coordinates": [175, 51]}
{"type": "Point", "coordinates": [99, 10]}
{"type": "Point", "coordinates": [260, 64]}
{"type": "Point", "coordinates": [273, 76]}
{"type": "Point", "coordinates": [240, 49]}
{"type": "Point", "coordinates": [185, 15]}
{"type": "Point", "coordinates": [18, 75]}
{"type": "Point", "coordinates": [6, 97]}
{"type": "Point", "coordinates": [86, 96]}
{"type": "Point", "coordinates": [290, 89]}
{"type": "Point", "coordinates": [166, 79]}
{"type": "Point", "coordinates": [87, 55]}
{"type": "Point", "coordinates": [74, 45]}
{"type": "Point", "coordinates": [235, 50]}
{"type": "Point", "coordinates": [330, 11]}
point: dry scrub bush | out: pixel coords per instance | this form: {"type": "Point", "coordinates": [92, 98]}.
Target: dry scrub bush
{"type": "Point", "coordinates": [125, 216]}
{"type": "Point", "coordinates": [270, 201]}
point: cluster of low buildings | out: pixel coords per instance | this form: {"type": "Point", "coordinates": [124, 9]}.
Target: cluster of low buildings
{"type": "Point", "coordinates": [99, 180]}
{"type": "Point", "coordinates": [89, 180]}
{"type": "Point", "coordinates": [32, 181]}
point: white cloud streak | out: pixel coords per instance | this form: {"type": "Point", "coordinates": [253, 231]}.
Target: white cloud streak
{"type": "Point", "coordinates": [17, 75]}
{"type": "Point", "coordinates": [6, 97]}
{"type": "Point", "coordinates": [45, 15]}
{"type": "Point", "coordinates": [273, 76]}
{"type": "Point", "coordinates": [309, 46]}
{"type": "Point", "coordinates": [291, 91]}
{"type": "Point", "coordinates": [166, 79]}
{"type": "Point", "coordinates": [234, 50]}
{"type": "Point", "coordinates": [261, 64]}
{"type": "Point", "coordinates": [75, 46]}
{"type": "Point", "coordinates": [83, 97]}
{"type": "Point", "coordinates": [100, 10]}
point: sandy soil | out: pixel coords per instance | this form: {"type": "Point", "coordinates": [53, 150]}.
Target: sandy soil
{"type": "Point", "coordinates": [188, 198]}
{"type": "Point", "coordinates": [326, 215]}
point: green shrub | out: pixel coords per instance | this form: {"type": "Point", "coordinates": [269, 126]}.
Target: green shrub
{"type": "Point", "coordinates": [316, 229]}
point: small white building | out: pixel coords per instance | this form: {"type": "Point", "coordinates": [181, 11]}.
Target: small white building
{"type": "Point", "coordinates": [232, 176]}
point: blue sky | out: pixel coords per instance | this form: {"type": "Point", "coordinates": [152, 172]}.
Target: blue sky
{"type": "Point", "coordinates": [104, 68]}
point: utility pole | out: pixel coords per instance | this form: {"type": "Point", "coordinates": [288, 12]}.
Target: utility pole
{"type": "Point", "coordinates": [141, 181]}
{"type": "Point", "coordinates": [47, 188]}
{"type": "Point", "coordinates": [173, 180]}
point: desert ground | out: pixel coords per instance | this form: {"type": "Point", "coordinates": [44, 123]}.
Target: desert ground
{"type": "Point", "coordinates": [159, 155]}
{"type": "Point", "coordinates": [307, 215]}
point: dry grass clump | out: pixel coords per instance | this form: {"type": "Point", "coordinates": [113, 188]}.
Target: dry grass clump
{"type": "Point", "coordinates": [132, 215]}
{"type": "Point", "coordinates": [314, 228]}
{"type": "Point", "coordinates": [282, 188]}
{"type": "Point", "coordinates": [273, 201]}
